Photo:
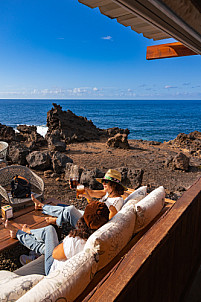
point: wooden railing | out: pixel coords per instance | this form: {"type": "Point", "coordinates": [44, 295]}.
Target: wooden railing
{"type": "Point", "coordinates": [160, 264]}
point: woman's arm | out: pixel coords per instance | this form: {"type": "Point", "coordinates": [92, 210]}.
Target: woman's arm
{"type": "Point", "coordinates": [89, 194]}
{"type": "Point", "coordinates": [112, 211]}
{"type": "Point", "coordinates": [58, 252]}
{"type": "Point", "coordinates": [96, 193]}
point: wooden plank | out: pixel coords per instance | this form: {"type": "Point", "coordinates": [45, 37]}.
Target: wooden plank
{"type": "Point", "coordinates": [163, 257]}
{"type": "Point", "coordinates": [35, 219]}
{"type": "Point", "coordinates": [168, 50]}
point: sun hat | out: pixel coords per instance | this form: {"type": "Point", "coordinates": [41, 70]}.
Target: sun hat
{"type": "Point", "coordinates": [96, 214]}
{"type": "Point", "coordinates": [112, 175]}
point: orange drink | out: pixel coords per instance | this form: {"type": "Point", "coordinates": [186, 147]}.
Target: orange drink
{"type": "Point", "coordinates": [80, 190]}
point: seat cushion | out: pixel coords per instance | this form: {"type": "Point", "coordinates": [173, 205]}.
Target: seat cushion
{"type": "Point", "coordinates": [137, 195]}
{"type": "Point", "coordinates": [12, 286]}
{"type": "Point", "coordinates": [66, 283]}
{"type": "Point", "coordinates": [111, 238]}
{"type": "Point", "coordinates": [148, 208]}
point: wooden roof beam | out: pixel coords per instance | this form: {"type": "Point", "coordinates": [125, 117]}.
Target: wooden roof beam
{"type": "Point", "coordinates": [168, 50]}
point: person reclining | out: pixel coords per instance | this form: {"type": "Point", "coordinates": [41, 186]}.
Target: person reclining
{"type": "Point", "coordinates": [111, 195]}
{"type": "Point", "coordinates": [45, 240]}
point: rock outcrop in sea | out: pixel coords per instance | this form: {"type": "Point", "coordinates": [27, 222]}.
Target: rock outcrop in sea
{"type": "Point", "coordinates": [70, 128]}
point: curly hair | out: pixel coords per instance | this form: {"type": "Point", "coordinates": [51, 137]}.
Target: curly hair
{"type": "Point", "coordinates": [82, 230]}
{"type": "Point", "coordinates": [116, 188]}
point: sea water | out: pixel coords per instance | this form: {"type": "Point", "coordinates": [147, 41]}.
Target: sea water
{"type": "Point", "coordinates": [158, 120]}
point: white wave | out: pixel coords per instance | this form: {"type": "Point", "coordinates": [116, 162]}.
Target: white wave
{"type": "Point", "coordinates": [42, 130]}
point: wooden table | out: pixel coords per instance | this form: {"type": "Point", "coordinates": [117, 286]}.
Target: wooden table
{"type": "Point", "coordinates": [34, 219]}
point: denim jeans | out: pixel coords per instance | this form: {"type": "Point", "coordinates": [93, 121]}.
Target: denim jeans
{"type": "Point", "coordinates": [64, 214]}
{"type": "Point", "coordinates": [42, 241]}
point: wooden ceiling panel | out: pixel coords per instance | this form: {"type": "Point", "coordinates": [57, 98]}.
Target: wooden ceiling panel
{"type": "Point", "coordinates": [156, 19]}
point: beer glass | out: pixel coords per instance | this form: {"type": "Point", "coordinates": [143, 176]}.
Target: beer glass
{"type": "Point", "coordinates": [80, 190]}
{"type": "Point", "coordinates": [73, 182]}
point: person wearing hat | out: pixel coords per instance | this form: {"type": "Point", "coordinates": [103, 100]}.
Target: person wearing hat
{"type": "Point", "coordinates": [111, 195]}
{"type": "Point", "coordinates": [45, 240]}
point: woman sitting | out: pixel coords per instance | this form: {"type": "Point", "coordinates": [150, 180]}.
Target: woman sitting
{"type": "Point", "coordinates": [111, 195]}
{"type": "Point", "coordinates": [45, 240]}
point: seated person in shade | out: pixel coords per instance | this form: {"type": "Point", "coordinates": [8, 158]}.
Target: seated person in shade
{"type": "Point", "coordinates": [111, 195]}
{"type": "Point", "coordinates": [45, 240]}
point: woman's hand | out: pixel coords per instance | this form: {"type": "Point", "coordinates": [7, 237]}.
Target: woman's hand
{"type": "Point", "coordinates": [87, 195]}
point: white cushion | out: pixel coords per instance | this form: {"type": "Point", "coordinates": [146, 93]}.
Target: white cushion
{"type": "Point", "coordinates": [6, 275]}
{"type": "Point", "coordinates": [148, 208]}
{"type": "Point", "coordinates": [111, 238]}
{"type": "Point", "coordinates": [137, 195]}
{"type": "Point", "coordinates": [12, 286]}
{"type": "Point", "coordinates": [66, 283]}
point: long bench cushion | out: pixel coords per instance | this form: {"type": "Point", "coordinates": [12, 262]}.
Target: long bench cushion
{"type": "Point", "coordinates": [148, 208]}
{"type": "Point", "coordinates": [12, 286]}
{"type": "Point", "coordinates": [67, 283]}
{"type": "Point", "coordinates": [137, 195]}
{"type": "Point", "coordinates": [111, 238]}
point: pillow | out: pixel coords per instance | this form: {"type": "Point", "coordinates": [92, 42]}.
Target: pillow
{"type": "Point", "coordinates": [137, 195]}
{"type": "Point", "coordinates": [66, 283]}
{"type": "Point", "coordinates": [6, 275]}
{"type": "Point", "coordinates": [12, 286]}
{"type": "Point", "coordinates": [148, 208]}
{"type": "Point", "coordinates": [111, 238]}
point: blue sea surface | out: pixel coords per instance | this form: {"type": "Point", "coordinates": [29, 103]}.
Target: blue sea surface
{"type": "Point", "coordinates": [159, 120]}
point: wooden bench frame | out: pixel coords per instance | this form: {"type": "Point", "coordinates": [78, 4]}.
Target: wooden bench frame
{"type": "Point", "coordinates": [159, 262]}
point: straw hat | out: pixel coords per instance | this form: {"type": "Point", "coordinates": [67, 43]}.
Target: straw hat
{"type": "Point", "coordinates": [112, 175]}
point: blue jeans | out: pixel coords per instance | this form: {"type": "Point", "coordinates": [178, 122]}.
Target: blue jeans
{"type": "Point", "coordinates": [64, 214]}
{"type": "Point", "coordinates": [42, 241]}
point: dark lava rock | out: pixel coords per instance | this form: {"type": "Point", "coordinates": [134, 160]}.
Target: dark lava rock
{"type": "Point", "coordinates": [88, 179]}
{"type": "Point", "coordinates": [180, 162]}
{"type": "Point", "coordinates": [118, 141]}
{"type": "Point", "coordinates": [131, 177]}
{"type": "Point", "coordinates": [73, 128]}
{"type": "Point", "coordinates": [59, 161]}
{"type": "Point", "coordinates": [39, 160]}
{"type": "Point", "coordinates": [191, 142]}
{"type": "Point", "coordinates": [7, 134]}
{"type": "Point", "coordinates": [17, 154]}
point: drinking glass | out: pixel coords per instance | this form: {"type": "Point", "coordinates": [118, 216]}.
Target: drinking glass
{"type": "Point", "coordinates": [80, 190]}
{"type": "Point", "coordinates": [73, 182]}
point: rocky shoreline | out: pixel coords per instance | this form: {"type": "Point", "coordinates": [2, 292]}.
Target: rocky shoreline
{"type": "Point", "coordinates": [74, 142]}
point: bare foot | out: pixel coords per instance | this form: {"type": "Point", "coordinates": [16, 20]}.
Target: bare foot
{"type": "Point", "coordinates": [26, 229]}
{"type": "Point", "coordinates": [38, 205]}
{"type": "Point", "coordinates": [13, 230]}
{"type": "Point", "coordinates": [51, 220]}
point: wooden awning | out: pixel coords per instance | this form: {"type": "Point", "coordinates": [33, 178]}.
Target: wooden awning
{"type": "Point", "coordinates": [157, 19]}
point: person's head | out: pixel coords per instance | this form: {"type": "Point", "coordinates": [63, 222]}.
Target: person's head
{"type": "Point", "coordinates": [112, 187]}
{"type": "Point", "coordinates": [112, 182]}
{"type": "Point", "coordinates": [95, 215]}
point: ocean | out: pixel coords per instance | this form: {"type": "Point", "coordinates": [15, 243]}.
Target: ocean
{"type": "Point", "coordinates": [158, 120]}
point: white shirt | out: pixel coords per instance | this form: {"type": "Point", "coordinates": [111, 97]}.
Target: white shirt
{"type": "Point", "coordinates": [72, 246]}
{"type": "Point", "coordinates": [116, 202]}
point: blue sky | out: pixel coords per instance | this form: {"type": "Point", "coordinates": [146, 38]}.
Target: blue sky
{"type": "Point", "coordinates": [65, 50]}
